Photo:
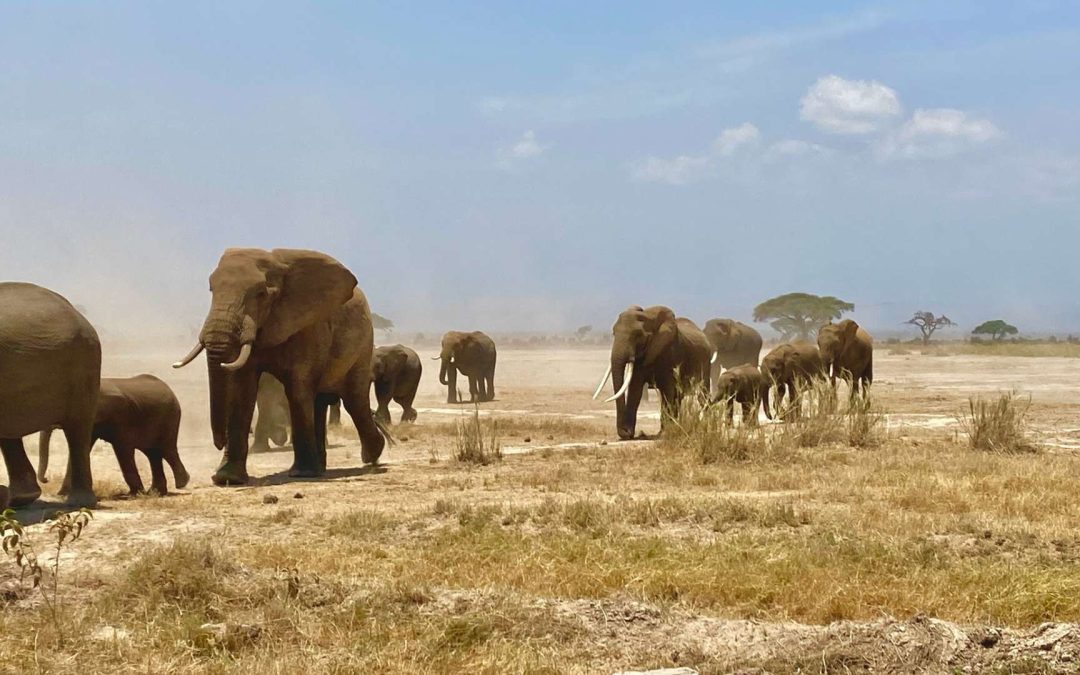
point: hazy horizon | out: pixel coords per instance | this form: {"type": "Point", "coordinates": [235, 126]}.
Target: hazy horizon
{"type": "Point", "coordinates": [538, 168]}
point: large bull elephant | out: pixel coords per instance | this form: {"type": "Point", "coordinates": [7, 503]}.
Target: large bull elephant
{"type": "Point", "coordinates": [736, 344]}
{"type": "Point", "coordinates": [652, 346]}
{"type": "Point", "coordinates": [847, 351]}
{"type": "Point", "coordinates": [134, 413]}
{"type": "Point", "coordinates": [790, 367]}
{"type": "Point", "coordinates": [50, 373]}
{"type": "Point", "coordinates": [299, 316]}
{"type": "Point", "coordinates": [474, 355]}
{"type": "Point", "coordinates": [396, 371]}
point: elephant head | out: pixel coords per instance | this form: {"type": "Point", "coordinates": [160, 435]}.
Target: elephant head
{"type": "Point", "coordinates": [387, 361]}
{"type": "Point", "coordinates": [260, 299]}
{"type": "Point", "coordinates": [833, 339]}
{"type": "Point", "coordinates": [722, 333]}
{"type": "Point", "coordinates": [642, 339]}
{"type": "Point", "coordinates": [775, 368]}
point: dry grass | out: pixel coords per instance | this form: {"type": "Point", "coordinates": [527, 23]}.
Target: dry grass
{"type": "Point", "coordinates": [1044, 349]}
{"type": "Point", "coordinates": [998, 426]}
{"type": "Point", "coordinates": [474, 444]}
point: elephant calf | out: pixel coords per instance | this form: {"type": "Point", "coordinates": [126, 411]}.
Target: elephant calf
{"type": "Point", "coordinates": [744, 385]}
{"type": "Point", "coordinates": [272, 423]}
{"type": "Point", "coordinates": [396, 372]}
{"type": "Point", "coordinates": [791, 366]}
{"type": "Point", "coordinates": [141, 413]}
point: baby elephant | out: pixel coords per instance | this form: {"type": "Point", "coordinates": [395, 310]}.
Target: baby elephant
{"type": "Point", "coordinates": [138, 412]}
{"type": "Point", "coordinates": [395, 371]}
{"type": "Point", "coordinates": [745, 385]}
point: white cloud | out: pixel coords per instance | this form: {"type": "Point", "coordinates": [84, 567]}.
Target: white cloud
{"type": "Point", "coordinates": [793, 147]}
{"type": "Point", "coordinates": [939, 132]}
{"type": "Point", "coordinates": [841, 106]}
{"type": "Point", "coordinates": [526, 148]}
{"type": "Point", "coordinates": [678, 171]}
{"type": "Point", "coordinates": [732, 139]}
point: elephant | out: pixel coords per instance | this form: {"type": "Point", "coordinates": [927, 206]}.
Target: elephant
{"type": "Point", "coordinates": [50, 375]}
{"type": "Point", "coordinates": [790, 366]}
{"type": "Point", "coordinates": [652, 346]}
{"type": "Point", "coordinates": [298, 315]}
{"type": "Point", "coordinates": [139, 412]}
{"type": "Point", "coordinates": [272, 423]}
{"type": "Point", "coordinates": [847, 351]}
{"type": "Point", "coordinates": [744, 385]}
{"type": "Point", "coordinates": [736, 344]}
{"type": "Point", "coordinates": [474, 355]}
{"type": "Point", "coordinates": [396, 372]}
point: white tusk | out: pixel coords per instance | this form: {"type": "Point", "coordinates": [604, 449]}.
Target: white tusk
{"type": "Point", "coordinates": [190, 357]}
{"type": "Point", "coordinates": [714, 355]}
{"type": "Point", "coordinates": [628, 373]}
{"type": "Point", "coordinates": [603, 381]}
{"type": "Point", "coordinates": [241, 361]}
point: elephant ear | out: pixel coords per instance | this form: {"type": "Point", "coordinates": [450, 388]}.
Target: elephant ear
{"type": "Point", "coordinates": [312, 287]}
{"type": "Point", "coordinates": [849, 328]}
{"type": "Point", "coordinates": [662, 330]}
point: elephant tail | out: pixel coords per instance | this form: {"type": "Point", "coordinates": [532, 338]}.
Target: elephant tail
{"type": "Point", "coordinates": [384, 430]}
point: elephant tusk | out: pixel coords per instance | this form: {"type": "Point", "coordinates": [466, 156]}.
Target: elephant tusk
{"type": "Point", "coordinates": [714, 355]}
{"type": "Point", "coordinates": [628, 373]}
{"type": "Point", "coordinates": [241, 361]}
{"type": "Point", "coordinates": [603, 381]}
{"type": "Point", "coordinates": [196, 350]}
{"type": "Point", "coordinates": [435, 358]}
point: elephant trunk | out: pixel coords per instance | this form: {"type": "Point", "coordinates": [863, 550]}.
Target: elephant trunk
{"type": "Point", "coordinates": [765, 400]}
{"type": "Point", "coordinates": [442, 371]}
{"type": "Point", "coordinates": [227, 335]}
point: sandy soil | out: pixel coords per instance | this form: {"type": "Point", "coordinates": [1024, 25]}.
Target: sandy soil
{"type": "Point", "coordinates": [921, 392]}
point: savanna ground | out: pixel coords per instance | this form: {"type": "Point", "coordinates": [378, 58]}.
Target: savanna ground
{"type": "Point", "coordinates": [578, 553]}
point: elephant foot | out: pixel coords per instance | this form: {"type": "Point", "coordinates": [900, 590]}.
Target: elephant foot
{"type": "Point", "coordinates": [382, 416]}
{"type": "Point", "coordinates": [230, 474]}
{"type": "Point", "coordinates": [159, 490]}
{"type": "Point", "coordinates": [305, 471]}
{"type": "Point", "coordinates": [626, 434]}
{"type": "Point", "coordinates": [81, 498]}
{"type": "Point", "coordinates": [181, 477]}
{"type": "Point", "coordinates": [409, 415]}
{"type": "Point", "coordinates": [371, 450]}
{"type": "Point", "coordinates": [21, 495]}
{"type": "Point", "coordinates": [5, 497]}
{"type": "Point", "coordinates": [260, 447]}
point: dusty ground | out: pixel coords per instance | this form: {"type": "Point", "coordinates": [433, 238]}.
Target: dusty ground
{"type": "Point", "coordinates": [576, 553]}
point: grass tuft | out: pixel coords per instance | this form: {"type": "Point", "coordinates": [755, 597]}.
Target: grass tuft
{"type": "Point", "coordinates": [998, 426]}
{"type": "Point", "coordinates": [473, 445]}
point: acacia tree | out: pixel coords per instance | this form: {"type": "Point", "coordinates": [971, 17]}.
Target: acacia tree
{"type": "Point", "coordinates": [381, 323]}
{"type": "Point", "coordinates": [928, 323]}
{"type": "Point", "coordinates": [582, 332]}
{"type": "Point", "coordinates": [799, 315]}
{"type": "Point", "coordinates": [997, 329]}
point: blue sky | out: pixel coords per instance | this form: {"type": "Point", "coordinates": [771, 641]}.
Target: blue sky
{"type": "Point", "coordinates": [538, 166]}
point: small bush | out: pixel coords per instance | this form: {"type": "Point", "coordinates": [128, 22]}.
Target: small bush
{"type": "Point", "coordinates": [473, 446]}
{"type": "Point", "coordinates": [998, 426]}
{"type": "Point", "coordinates": [703, 430]}
{"type": "Point", "coordinates": [813, 421]}
{"type": "Point", "coordinates": [863, 422]}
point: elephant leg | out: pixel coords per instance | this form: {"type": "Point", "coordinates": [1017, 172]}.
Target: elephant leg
{"type": "Point", "coordinates": [125, 457]}
{"type": "Point", "coordinates": [233, 467]}
{"type": "Point", "coordinates": [408, 412]}
{"type": "Point", "coordinates": [158, 484]}
{"type": "Point", "coordinates": [749, 413]}
{"type": "Point", "coordinates": [357, 403]}
{"type": "Point", "coordinates": [264, 423]}
{"type": "Point", "coordinates": [23, 488]}
{"type": "Point", "coordinates": [451, 385]}
{"type": "Point", "coordinates": [322, 407]}
{"type": "Point", "coordinates": [80, 439]}
{"type": "Point", "coordinates": [335, 414]}
{"type": "Point", "coordinates": [180, 475]}
{"type": "Point", "coordinates": [490, 389]}
{"type": "Point", "coordinates": [383, 395]}
{"type": "Point", "coordinates": [44, 438]}
{"type": "Point", "coordinates": [669, 398]}
{"type": "Point", "coordinates": [302, 415]}
{"type": "Point", "coordinates": [473, 390]}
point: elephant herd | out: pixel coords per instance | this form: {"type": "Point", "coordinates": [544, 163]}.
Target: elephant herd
{"type": "Point", "coordinates": [652, 347]}
{"type": "Point", "coordinates": [290, 334]}
{"type": "Point", "coordinates": [287, 330]}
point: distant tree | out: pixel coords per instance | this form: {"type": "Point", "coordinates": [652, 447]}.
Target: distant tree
{"type": "Point", "coordinates": [582, 331]}
{"type": "Point", "coordinates": [927, 323]}
{"type": "Point", "coordinates": [996, 329]}
{"type": "Point", "coordinates": [799, 315]}
{"type": "Point", "coordinates": [381, 323]}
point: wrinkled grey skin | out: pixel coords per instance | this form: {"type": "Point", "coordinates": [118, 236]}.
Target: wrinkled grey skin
{"type": "Point", "coordinates": [133, 413]}
{"type": "Point", "coordinates": [746, 386]}
{"type": "Point", "coordinates": [847, 351]}
{"type": "Point", "coordinates": [395, 372]}
{"type": "Point", "coordinates": [790, 367]}
{"type": "Point", "coordinates": [474, 355]}
{"type": "Point", "coordinates": [670, 353]}
{"type": "Point", "coordinates": [736, 344]}
{"type": "Point", "coordinates": [50, 376]}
